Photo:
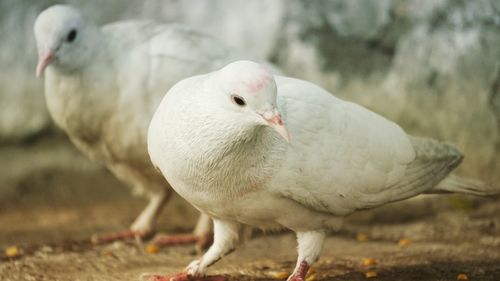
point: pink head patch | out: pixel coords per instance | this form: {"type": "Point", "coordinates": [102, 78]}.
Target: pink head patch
{"type": "Point", "coordinates": [262, 80]}
{"type": "Point", "coordinates": [246, 76]}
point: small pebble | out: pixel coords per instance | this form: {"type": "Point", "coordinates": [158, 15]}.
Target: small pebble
{"type": "Point", "coordinates": [107, 253]}
{"type": "Point", "coordinates": [46, 249]}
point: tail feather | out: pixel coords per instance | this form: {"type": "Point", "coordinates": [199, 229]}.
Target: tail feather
{"type": "Point", "coordinates": [456, 184]}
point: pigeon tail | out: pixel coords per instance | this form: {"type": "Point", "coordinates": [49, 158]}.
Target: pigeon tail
{"type": "Point", "coordinates": [456, 184]}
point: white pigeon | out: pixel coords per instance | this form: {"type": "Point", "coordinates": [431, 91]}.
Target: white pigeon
{"type": "Point", "coordinates": [102, 86]}
{"type": "Point", "coordinates": [247, 147]}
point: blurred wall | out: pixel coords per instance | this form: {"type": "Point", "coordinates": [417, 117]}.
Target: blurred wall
{"type": "Point", "coordinates": [431, 65]}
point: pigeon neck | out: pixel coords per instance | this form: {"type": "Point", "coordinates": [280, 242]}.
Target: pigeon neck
{"type": "Point", "coordinates": [240, 161]}
{"type": "Point", "coordinates": [80, 98]}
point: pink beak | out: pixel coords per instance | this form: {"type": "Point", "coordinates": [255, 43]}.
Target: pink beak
{"type": "Point", "coordinates": [273, 119]}
{"type": "Point", "coordinates": [44, 59]}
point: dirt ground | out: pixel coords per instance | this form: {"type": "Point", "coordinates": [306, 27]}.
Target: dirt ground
{"type": "Point", "coordinates": [52, 200]}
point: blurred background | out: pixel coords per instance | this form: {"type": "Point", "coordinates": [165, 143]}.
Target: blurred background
{"type": "Point", "coordinates": [433, 66]}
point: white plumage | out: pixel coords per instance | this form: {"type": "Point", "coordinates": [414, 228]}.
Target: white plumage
{"type": "Point", "coordinates": [229, 160]}
{"type": "Point", "coordinates": [102, 86]}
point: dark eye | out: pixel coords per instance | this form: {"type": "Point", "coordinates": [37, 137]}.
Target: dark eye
{"type": "Point", "coordinates": [71, 36]}
{"type": "Point", "coordinates": [238, 100]}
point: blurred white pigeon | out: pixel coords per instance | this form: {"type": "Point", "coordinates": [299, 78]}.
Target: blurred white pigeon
{"type": "Point", "coordinates": [102, 86]}
{"type": "Point", "coordinates": [220, 140]}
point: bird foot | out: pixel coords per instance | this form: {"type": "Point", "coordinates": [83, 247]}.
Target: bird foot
{"type": "Point", "coordinates": [118, 236]}
{"type": "Point", "coordinates": [183, 276]}
{"type": "Point", "coordinates": [202, 242]}
{"type": "Point", "coordinates": [300, 272]}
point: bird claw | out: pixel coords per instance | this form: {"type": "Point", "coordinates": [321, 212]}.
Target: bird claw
{"type": "Point", "coordinates": [295, 278]}
{"type": "Point", "coordinates": [300, 273]}
{"type": "Point", "coordinates": [193, 268]}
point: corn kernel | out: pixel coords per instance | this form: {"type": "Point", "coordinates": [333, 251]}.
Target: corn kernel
{"type": "Point", "coordinates": [12, 252]}
{"type": "Point", "coordinates": [403, 242]}
{"type": "Point", "coordinates": [361, 237]}
{"type": "Point", "coordinates": [369, 261]}
{"type": "Point", "coordinates": [281, 275]}
{"type": "Point", "coordinates": [152, 249]}
{"type": "Point", "coordinates": [370, 274]}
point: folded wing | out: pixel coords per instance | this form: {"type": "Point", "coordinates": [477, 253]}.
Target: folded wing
{"type": "Point", "coordinates": [344, 157]}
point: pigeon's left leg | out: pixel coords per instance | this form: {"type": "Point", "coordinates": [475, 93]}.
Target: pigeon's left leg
{"type": "Point", "coordinates": [144, 225]}
{"type": "Point", "coordinates": [310, 245]}
{"type": "Point", "coordinates": [225, 238]}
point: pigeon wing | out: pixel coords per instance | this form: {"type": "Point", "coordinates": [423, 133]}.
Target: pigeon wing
{"type": "Point", "coordinates": [343, 157]}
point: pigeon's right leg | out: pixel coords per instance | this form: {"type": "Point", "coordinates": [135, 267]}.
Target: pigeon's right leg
{"type": "Point", "coordinates": [143, 226]}
{"type": "Point", "coordinates": [225, 238]}
{"type": "Point", "coordinates": [310, 245]}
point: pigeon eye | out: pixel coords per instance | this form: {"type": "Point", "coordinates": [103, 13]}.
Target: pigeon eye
{"type": "Point", "coordinates": [71, 36]}
{"type": "Point", "coordinates": [238, 100]}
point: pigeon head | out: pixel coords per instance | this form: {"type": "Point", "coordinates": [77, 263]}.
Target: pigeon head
{"type": "Point", "coordinates": [248, 89]}
{"type": "Point", "coordinates": [61, 35]}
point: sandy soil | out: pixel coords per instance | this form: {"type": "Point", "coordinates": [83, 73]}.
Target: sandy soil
{"type": "Point", "coordinates": [52, 200]}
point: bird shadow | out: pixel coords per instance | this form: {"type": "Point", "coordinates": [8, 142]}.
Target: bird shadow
{"type": "Point", "coordinates": [487, 270]}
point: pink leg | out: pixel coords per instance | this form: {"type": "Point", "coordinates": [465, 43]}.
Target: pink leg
{"type": "Point", "coordinates": [163, 240]}
{"type": "Point", "coordinates": [202, 236]}
{"type": "Point", "coordinates": [309, 248]}
{"type": "Point", "coordinates": [174, 239]}
{"type": "Point", "coordinates": [202, 242]}
{"type": "Point", "coordinates": [143, 226]}
{"type": "Point", "coordinates": [116, 236]}
{"type": "Point", "coordinates": [300, 273]}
